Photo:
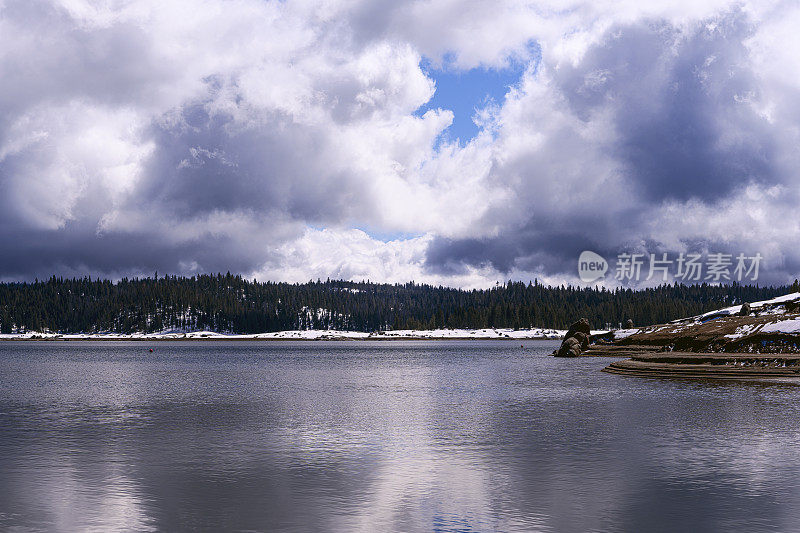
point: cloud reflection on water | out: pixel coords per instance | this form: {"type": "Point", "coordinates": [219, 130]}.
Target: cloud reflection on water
{"type": "Point", "coordinates": [398, 436]}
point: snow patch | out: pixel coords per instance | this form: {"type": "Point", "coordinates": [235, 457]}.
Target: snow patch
{"type": "Point", "coordinates": [622, 333]}
{"type": "Point", "coordinates": [754, 306]}
{"type": "Point", "coordinates": [784, 326]}
{"type": "Point", "coordinates": [742, 331]}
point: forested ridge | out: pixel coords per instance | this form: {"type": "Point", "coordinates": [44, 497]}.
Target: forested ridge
{"type": "Point", "coordinates": [229, 303]}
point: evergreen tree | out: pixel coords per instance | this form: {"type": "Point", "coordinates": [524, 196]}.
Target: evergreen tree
{"type": "Point", "coordinates": [229, 303]}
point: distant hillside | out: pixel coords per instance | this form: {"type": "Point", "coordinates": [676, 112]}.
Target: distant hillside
{"type": "Point", "coordinates": [228, 303]}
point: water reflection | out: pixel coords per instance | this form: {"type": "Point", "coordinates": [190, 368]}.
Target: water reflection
{"type": "Point", "coordinates": [399, 436]}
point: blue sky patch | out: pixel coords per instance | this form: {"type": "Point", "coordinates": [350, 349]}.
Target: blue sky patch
{"type": "Point", "coordinates": [465, 91]}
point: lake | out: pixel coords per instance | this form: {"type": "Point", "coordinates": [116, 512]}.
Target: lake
{"type": "Point", "coordinates": [444, 436]}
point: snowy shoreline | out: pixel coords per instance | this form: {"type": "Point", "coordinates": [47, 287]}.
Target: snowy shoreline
{"type": "Point", "coordinates": [306, 335]}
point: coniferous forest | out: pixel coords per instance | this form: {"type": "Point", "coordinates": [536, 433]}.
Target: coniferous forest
{"type": "Point", "coordinates": [229, 303]}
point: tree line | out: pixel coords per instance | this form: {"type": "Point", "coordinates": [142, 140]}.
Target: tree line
{"type": "Point", "coordinates": [229, 303]}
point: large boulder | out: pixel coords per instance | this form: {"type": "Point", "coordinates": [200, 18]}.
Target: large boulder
{"type": "Point", "coordinates": [581, 326]}
{"type": "Point", "coordinates": [576, 340]}
{"type": "Point", "coordinates": [629, 323]}
{"type": "Point", "coordinates": [745, 310]}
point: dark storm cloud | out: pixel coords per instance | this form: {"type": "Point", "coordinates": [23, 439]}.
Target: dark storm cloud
{"type": "Point", "coordinates": [69, 253]}
{"type": "Point", "coordinates": [208, 162]}
{"type": "Point", "coordinates": [673, 126]}
{"type": "Point", "coordinates": [681, 129]}
{"type": "Point", "coordinates": [545, 248]}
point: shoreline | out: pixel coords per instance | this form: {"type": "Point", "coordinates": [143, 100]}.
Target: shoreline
{"type": "Point", "coordinates": [304, 335]}
{"type": "Point", "coordinates": [288, 339]}
{"type": "Point", "coordinates": [249, 339]}
{"type": "Point", "coordinates": [750, 341]}
{"type": "Point", "coordinates": [736, 366]}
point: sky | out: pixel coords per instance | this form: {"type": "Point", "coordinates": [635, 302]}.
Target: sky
{"type": "Point", "coordinates": [449, 142]}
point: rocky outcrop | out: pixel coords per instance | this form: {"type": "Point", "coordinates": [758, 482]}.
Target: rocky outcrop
{"type": "Point", "coordinates": [759, 340]}
{"type": "Point", "coordinates": [576, 340]}
{"type": "Point", "coordinates": [733, 334]}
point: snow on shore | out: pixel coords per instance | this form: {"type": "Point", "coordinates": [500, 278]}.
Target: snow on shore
{"type": "Point", "coordinates": [763, 312]}
{"type": "Point", "coordinates": [783, 326]}
{"type": "Point", "coordinates": [791, 326]}
{"type": "Point", "coordinates": [754, 306]}
{"type": "Point", "coordinates": [499, 333]}
{"type": "Point", "coordinates": [770, 315]}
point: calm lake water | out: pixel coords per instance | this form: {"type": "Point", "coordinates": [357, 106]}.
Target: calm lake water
{"type": "Point", "coordinates": [382, 436]}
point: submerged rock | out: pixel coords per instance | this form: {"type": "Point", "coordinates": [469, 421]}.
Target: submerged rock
{"type": "Point", "coordinates": [571, 347]}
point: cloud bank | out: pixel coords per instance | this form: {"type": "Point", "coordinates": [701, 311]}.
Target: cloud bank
{"type": "Point", "coordinates": [286, 141]}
